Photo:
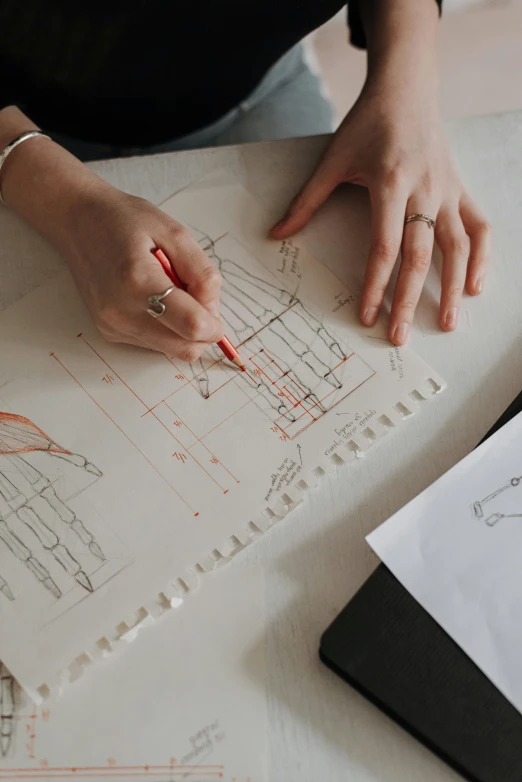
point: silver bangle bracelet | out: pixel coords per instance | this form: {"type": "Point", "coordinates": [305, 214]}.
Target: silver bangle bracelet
{"type": "Point", "coordinates": [9, 148]}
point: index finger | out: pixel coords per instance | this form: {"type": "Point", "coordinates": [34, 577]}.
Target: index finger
{"type": "Point", "coordinates": [193, 266]}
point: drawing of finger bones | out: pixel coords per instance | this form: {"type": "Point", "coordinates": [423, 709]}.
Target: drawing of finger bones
{"type": "Point", "coordinates": [19, 437]}
{"type": "Point", "coordinates": [7, 711]}
{"type": "Point", "coordinates": [296, 362]}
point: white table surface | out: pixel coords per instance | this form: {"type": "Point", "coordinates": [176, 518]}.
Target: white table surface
{"type": "Point", "coordinates": [316, 559]}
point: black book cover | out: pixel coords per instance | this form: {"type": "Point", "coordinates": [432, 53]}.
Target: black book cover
{"type": "Point", "coordinates": [391, 650]}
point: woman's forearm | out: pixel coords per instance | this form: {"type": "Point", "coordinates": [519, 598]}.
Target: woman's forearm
{"type": "Point", "coordinates": [402, 43]}
{"type": "Point", "coordinates": [39, 179]}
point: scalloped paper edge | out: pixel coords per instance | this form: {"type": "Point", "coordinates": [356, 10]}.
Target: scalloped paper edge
{"type": "Point", "coordinates": [175, 593]}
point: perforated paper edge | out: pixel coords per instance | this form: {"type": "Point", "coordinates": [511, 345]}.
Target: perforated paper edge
{"type": "Point", "coordinates": [176, 592]}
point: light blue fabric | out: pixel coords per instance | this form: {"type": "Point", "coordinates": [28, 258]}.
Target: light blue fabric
{"type": "Point", "coordinates": [288, 102]}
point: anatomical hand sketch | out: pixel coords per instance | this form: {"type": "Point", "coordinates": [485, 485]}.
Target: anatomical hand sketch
{"type": "Point", "coordinates": [478, 507]}
{"type": "Point", "coordinates": [7, 711]}
{"type": "Point", "coordinates": [296, 363]}
{"type": "Point", "coordinates": [32, 514]}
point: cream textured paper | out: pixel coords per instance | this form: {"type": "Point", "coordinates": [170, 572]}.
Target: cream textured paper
{"type": "Point", "coordinates": [186, 702]}
{"type": "Point", "coordinates": [127, 473]}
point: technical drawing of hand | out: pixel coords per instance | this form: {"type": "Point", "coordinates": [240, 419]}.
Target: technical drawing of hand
{"type": "Point", "coordinates": [18, 437]}
{"type": "Point", "coordinates": [7, 710]}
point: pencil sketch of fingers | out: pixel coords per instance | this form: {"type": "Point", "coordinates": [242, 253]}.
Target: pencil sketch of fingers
{"type": "Point", "coordinates": [52, 543]}
{"type": "Point", "coordinates": [20, 437]}
{"type": "Point", "coordinates": [25, 555]}
{"type": "Point", "coordinates": [7, 711]}
{"type": "Point", "coordinates": [5, 589]}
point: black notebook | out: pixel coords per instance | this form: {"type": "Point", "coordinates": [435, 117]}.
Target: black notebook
{"type": "Point", "coordinates": [390, 649]}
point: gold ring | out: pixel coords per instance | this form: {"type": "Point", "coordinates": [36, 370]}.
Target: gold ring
{"type": "Point", "coordinates": [423, 217]}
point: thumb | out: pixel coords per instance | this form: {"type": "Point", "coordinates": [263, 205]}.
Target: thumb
{"type": "Point", "coordinates": [305, 204]}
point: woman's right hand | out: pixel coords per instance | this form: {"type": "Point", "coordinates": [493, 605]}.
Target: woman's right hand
{"type": "Point", "coordinates": [107, 241]}
{"type": "Point", "coordinates": [106, 237]}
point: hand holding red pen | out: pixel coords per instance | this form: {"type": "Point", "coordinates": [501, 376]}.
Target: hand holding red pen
{"type": "Point", "coordinates": [107, 237]}
{"type": "Point", "coordinates": [224, 344]}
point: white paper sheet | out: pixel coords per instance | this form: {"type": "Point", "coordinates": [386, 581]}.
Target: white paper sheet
{"type": "Point", "coordinates": [123, 469]}
{"type": "Point", "coordinates": [186, 702]}
{"type": "Point", "coordinates": [457, 549]}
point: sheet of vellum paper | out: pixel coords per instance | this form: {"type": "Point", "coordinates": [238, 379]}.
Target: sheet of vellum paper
{"type": "Point", "coordinates": [186, 702]}
{"type": "Point", "coordinates": [124, 471]}
{"type": "Point", "coordinates": [456, 547]}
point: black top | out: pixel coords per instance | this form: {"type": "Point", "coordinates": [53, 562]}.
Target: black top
{"type": "Point", "coordinates": [139, 72]}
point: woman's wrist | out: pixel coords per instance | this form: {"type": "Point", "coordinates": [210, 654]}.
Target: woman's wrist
{"type": "Point", "coordinates": [402, 49]}
{"type": "Point", "coordinates": [40, 180]}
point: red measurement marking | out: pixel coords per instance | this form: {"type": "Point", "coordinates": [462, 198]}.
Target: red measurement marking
{"type": "Point", "coordinates": [214, 460]}
{"type": "Point", "coordinates": [121, 430]}
{"type": "Point", "coordinates": [180, 456]}
{"type": "Point", "coordinates": [108, 379]}
{"type": "Point", "coordinates": [199, 440]}
{"type": "Point", "coordinates": [112, 770]}
{"type": "Point", "coordinates": [176, 423]}
{"type": "Point", "coordinates": [180, 377]}
{"type": "Point", "coordinates": [152, 411]}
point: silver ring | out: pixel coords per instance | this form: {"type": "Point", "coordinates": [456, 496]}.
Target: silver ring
{"type": "Point", "coordinates": [156, 306]}
{"type": "Point", "coordinates": [423, 217]}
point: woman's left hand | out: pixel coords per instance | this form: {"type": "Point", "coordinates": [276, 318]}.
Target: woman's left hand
{"type": "Point", "coordinates": [397, 149]}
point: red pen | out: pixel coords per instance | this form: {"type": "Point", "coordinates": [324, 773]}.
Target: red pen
{"type": "Point", "coordinates": [224, 344]}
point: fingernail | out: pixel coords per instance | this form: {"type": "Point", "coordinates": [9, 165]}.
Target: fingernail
{"type": "Point", "coordinates": [479, 284]}
{"type": "Point", "coordinates": [370, 316]}
{"type": "Point", "coordinates": [452, 317]}
{"type": "Point", "coordinates": [401, 333]}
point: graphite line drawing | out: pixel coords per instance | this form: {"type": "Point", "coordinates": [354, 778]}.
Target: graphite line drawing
{"type": "Point", "coordinates": [19, 437]}
{"type": "Point", "coordinates": [51, 542]}
{"type": "Point", "coordinates": [7, 711]}
{"type": "Point", "coordinates": [478, 506]}
{"type": "Point", "coordinates": [25, 555]}
{"type": "Point", "coordinates": [263, 315]}
{"type": "Point", "coordinates": [495, 517]}
{"type": "Point", "coordinates": [5, 589]}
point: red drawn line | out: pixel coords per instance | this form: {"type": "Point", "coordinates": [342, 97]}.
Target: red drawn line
{"type": "Point", "coordinates": [185, 449]}
{"type": "Point", "coordinates": [109, 769]}
{"type": "Point", "coordinates": [257, 367]}
{"type": "Point", "coordinates": [112, 775]}
{"type": "Point", "coordinates": [341, 362]}
{"type": "Point", "coordinates": [143, 403]}
{"type": "Point", "coordinates": [113, 371]}
{"type": "Point", "coordinates": [300, 403]}
{"type": "Point", "coordinates": [227, 418]}
{"type": "Point", "coordinates": [123, 433]}
{"type": "Point", "coordinates": [267, 325]}
{"type": "Point", "coordinates": [293, 397]}
{"type": "Point", "coordinates": [200, 441]}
